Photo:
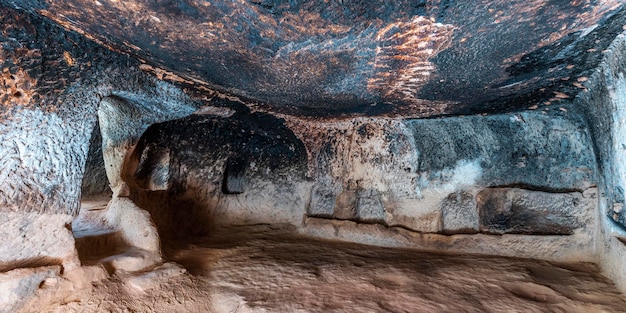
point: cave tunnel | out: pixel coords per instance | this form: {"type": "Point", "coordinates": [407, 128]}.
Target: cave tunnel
{"type": "Point", "coordinates": [312, 156]}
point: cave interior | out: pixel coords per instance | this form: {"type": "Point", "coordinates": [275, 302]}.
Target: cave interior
{"type": "Point", "coordinates": [312, 156]}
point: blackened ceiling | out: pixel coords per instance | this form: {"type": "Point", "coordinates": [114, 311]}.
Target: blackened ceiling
{"type": "Point", "coordinates": [412, 58]}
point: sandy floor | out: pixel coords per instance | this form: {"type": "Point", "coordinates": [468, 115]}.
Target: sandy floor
{"type": "Point", "coordinates": [263, 269]}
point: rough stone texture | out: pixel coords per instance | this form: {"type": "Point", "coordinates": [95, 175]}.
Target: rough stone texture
{"type": "Point", "coordinates": [124, 117]}
{"type": "Point", "coordinates": [418, 169]}
{"type": "Point", "coordinates": [46, 125]}
{"type": "Point", "coordinates": [198, 149]}
{"type": "Point", "coordinates": [551, 152]}
{"type": "Point", "coordinates": [479, 74]}
{"type": "Point", "coordinates": [345, 205]}
{"type": "Point", "coordinates": [369, 206]}
{"type": "Point", "coordinates": [519, 211]}
{"type": "Point", "coordinates": [425, 58]}
{"type": "Point", "coordinates": [419, 174]}
{"type": "Point", "coordinates": [322, 202]}
{"type": "Point", "coordinates": [37, 164]}
{"type": "Point", "coordinates": [264, 269]}
{"type": "Point", "coordinates": [136, 225]}
{"type": "Point", "coordinates": [32, 240]}
{"type": "Point", "coordinates": [94, 236]}
{"type": "Point", "coordinates": [132, 260]}
{"type": "Point", "coordinates": [459, 213]}
{"type": "Point", "coordinates": [575, 248]}
{"type": "Point", "coordinates": [51, 83]}
{"type": "Point", "coordinates": [95, 181]}
{"type": "Point", "coordinates": [40, 152]}
{"type": "Point", "coordinates": [18, 286]}
{"type": "Point", "coordinates": [33, 289]}
{"type": "Point", "coordinates": [605, 111]}
{"type": "Point", "coordinates": [415, 214]}
{"type": "Point", "coordinates": [354, 75]}
{"type": "Point", "coordinates": [160, 274]}
{"type": "Point", "coordinates": [603, 107]}
{"type": "Point", "coordinates": [116, 233]}
{"type": "Point", "coordinates": [235, 176]}
{"type": "Point", "coordinates": [362, 168]}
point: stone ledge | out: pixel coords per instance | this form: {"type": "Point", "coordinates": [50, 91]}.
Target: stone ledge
{"type": "Point", "coordinates": [34, 240]}
{"type": "Point", "coordinates": [578, 247]}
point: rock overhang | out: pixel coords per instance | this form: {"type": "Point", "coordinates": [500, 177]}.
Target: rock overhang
{"type": "Point", "coordinates": [331, 58]}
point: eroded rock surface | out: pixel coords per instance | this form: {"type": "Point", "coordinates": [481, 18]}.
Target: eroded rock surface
{"type": "Point", "coordinates": [413, 175]}
{"type": "Point", "coordinates": [306, 117]}
{"type": "Point", "coordinates": [519, 211]}
{"type": "Point", "coordinates": [20, 285]}
{"type": "Point", "coordinates": [52, 82]}
{"type": "Point", "coordinates": [262, 269]}
{"type": "Point", "coordinates": [33, 240]}
{"type": "Point", "coordinates": [424, 58]}
{"type": "Point", "coordinates": [201, 171]}
{"type": "Point", "coordinates": [397, 173]}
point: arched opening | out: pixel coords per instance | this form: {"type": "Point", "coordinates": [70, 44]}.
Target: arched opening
{"type": "Point", "coordinates": [110, 229]}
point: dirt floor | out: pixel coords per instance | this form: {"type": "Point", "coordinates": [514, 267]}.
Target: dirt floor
{"type": "Point", "coordinates": [266, 269]}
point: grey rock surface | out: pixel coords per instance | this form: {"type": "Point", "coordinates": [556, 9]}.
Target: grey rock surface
{"type": "Point", "coordinates": [369, 206]}
{"type": "Point", "coordinates": [18, 286]}
{"type": "Point", "coordinates": [519, 211]}
{"type": "Point", "coordinates": [123, 119]}
{"type": "Point", "coordinates": [307, 115]}
{"type": "Point", "coordinates": [59, 78]}
{"type": "Point", "coordinates": [459, 213]}
{"type": "Point", "coordinates": [553, 152]}
{"type": "Point", "coordinates": [95, 181]}
{"type": "Point", "coordinates": [322, 203]}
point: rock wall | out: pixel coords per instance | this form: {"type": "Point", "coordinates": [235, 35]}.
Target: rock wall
{"type": "Point", "coordinates": [529, 176]}
{"type": "Point", "coordinates": [525, 184]}
{"type": "Point", "coordinates": [604, 106]}
{"type": "Point", "coordinates": [51, 84]}
{"type": "Point", "coordinates": [95, 181]}
{"type": "Point", "coordinates": [47, 114]}
{"type": "Point", "coordinates": [204, 171]}
{"type": "Point", "coordinates": [524, 175]}
{"type": "Point", "coordinates": [425, 174]}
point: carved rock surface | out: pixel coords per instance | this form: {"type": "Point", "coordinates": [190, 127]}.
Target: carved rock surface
{"type": "Point", "coordinates": [519, 211]}
{"type": "Point", "coordinates": [260, 269]}
{"type": "Point", "coordinates": [424, 58]}
{"type": "Point", "coordinates": [459, 213]}
{"type": "Point", "coordinates": [32, 240]}
{"type": "Point", "coordinates": [57, 78]}
{"type": "Point", "coordinates": [207, 159]}
{"type": "Point", "coordinates": [426, 172]}
{"type": "Point", "coordinates": [122, 120]}
{"type": "Point", "coordinates": [554, 152]}
{"type": "Point", "coordinates": [17, 287]}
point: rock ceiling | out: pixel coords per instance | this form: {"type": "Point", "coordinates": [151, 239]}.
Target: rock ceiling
{"type": "Point", "coordinates": [410, 58]}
